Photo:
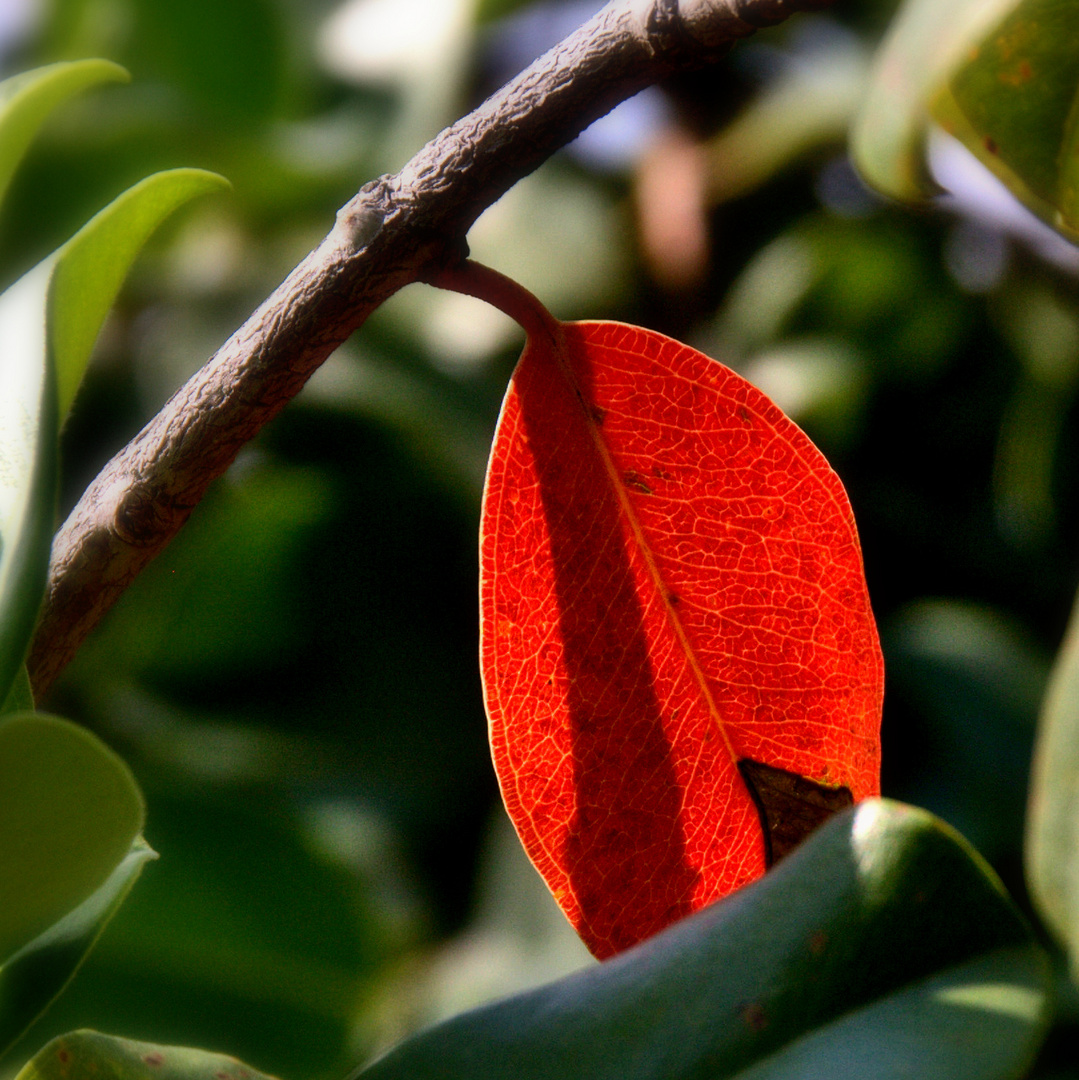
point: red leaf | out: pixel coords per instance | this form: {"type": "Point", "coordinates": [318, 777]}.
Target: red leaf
{"type": "Point", "coordinates": [671, 584]}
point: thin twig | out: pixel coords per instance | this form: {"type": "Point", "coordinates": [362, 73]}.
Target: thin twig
{"type": "Point", "coordinates": [395, 231]}
{"type": "Point", "coordinates": [474, 279]}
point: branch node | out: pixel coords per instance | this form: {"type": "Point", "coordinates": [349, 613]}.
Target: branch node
{"type": "Point", "coordinates": [361, 219]}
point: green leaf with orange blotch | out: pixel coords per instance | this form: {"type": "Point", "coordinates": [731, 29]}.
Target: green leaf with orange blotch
{"type": "Point", "coordinates": [1014, 103]}
{"type": "Point", "coordinates": [927, 41]}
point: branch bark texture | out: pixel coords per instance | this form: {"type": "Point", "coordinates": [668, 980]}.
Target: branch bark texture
{"type": "Point", "coordinates": [396, 230]}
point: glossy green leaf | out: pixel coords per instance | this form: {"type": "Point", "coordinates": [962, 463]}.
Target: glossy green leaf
{"type": "Point", "coordinates": [32, 979]}
{"type": "Point", "coordinates": [92, 265]}
{"type": "Point", "coordinates": [927, 41]}
{"type": "Point", "coordinates": [1052, 842]}
{"type": "Point", "coordinates": [69, 813]}
{"type": "Point", "coordinates": [28, 466]}
{"type": "Point", "coordinates": [89, 1053]}
{"type": "Point", "coordinates": [883, 947]}
{"type": "Point", "coordinates": [26, 100]}
{"type": "Point", "coordinates": [1014, 103]}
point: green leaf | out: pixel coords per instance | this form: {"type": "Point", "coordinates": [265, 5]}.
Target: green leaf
{"type": "Point", "coordinates": [20, 697]}
{"type": "Point", "coordinates": [927, 41]}
{"type": "Point", "coordinates": [92, 265]}
{"type": "Point", "coordinates": [1014, 104]}
{"type": "Point", "coordinates": [69, 813]}
{"type": "Point", "coordinates": [49, 320]}
{"type": "Point", "coordinates": [883, 947]}
{"type": "Point", "coordinates": [243, 937]}
{"type": "Point", "coordinates": [89, 1053]}
{"type": "Point", "coordinates": [1052, 841]}
{"type": "Point", "coordinates": [35, 976]}
{"type": "Point", "coordinates": [28, 466]}
{"type": "Point", "coordinates": [26, 101]}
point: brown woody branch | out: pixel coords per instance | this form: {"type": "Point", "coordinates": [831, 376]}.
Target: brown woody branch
{"type": "Point", "coordinates": [396, 230]}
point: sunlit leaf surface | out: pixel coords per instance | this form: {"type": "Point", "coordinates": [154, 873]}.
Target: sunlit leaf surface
{"type": "Point", "coordinates": [673, 599]}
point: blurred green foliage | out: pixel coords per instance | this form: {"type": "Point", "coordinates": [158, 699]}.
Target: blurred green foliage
{"type": "Point", "coordinates": [294, 681]}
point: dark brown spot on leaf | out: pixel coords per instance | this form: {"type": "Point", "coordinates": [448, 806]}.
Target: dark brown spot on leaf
{"type": "Point", "coordinates": [754, 1017]}
{"type": "Point", "coordinates": [789, 805]}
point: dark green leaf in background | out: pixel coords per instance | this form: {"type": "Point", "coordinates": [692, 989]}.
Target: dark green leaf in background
{"type": "Point", "coordinates": [977, 679]}
{"type": "Point", "coordinates": [248, 935]}
{"type": "Point", "coordinates": [227, 56]}
{"type": "Point", "coordinates": [20, 697]}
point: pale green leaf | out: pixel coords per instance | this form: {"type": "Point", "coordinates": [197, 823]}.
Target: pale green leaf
{"type": "Point", "coordinates": [26, 100]}
{"type": "Point", "coordinates": [1052, 843]}
{"type": "Point", "coordinates": [69, 813]}
{"type": "Point", "coordinates": [32, 979]}
{"type": "Point", "coordinates": [92, 265]}
{"type": "Point", "coordinates": [883, 948]}
{"type": "Point", "coordinates": [28, 465]}
{"type": "Point", "coordinates": [926, 43]}
{"type": "Point", "coordinates": [89, 1053]}
{"type": "Point", "coordinates": [49, 320]}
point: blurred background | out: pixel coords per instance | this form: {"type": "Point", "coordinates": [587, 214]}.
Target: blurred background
{"type": "Point", "coordinates": [295, 680]}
